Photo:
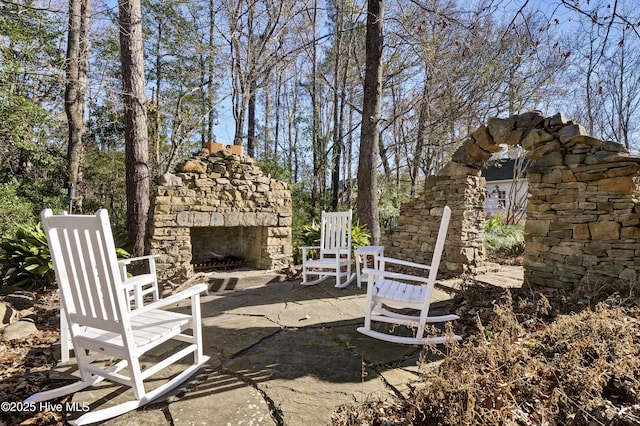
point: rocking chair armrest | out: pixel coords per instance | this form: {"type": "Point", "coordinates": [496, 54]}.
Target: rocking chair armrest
{"type": "Point", "coordinates": [136, 281]}
{"type": "Point", "coordinates": [174, 298]}
{"type": "Point", "coordinates": [394, 275]}
{"type": "Point", "coordinates": [306, 249]}
{"type": "Point", "coordinates": [384, 260]}
{"type": "Point", "coordinates": [149, 257]}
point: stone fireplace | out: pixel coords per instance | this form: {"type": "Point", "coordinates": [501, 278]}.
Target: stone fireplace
{"type": "Point", "coordinates": [219, 209]}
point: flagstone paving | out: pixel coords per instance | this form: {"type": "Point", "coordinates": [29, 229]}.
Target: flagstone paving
{"type": "Point", "coordinates": [283, 354]}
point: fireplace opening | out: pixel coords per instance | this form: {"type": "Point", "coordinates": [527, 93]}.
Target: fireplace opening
{"type": "Point", "coordinates": [225, 248]}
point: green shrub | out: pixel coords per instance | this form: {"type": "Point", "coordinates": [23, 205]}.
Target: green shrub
{"type": "Point", "coordinates": [503, 239]}
{"type": "Point", "coordinates": [360, 235]}
{"type": "Point", "coordinates": [25, 259]}
{"type": "Point", "coordinates": [14, 209]}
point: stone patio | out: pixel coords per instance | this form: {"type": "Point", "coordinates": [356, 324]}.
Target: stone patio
{"type": "Point", "coordinates": [281, 354]}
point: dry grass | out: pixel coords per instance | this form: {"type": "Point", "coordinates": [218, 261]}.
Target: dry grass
{"type": "Point", "coordinates": [545, 357]}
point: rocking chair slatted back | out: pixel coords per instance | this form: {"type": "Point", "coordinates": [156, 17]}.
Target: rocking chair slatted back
{"type": "Point", "coordinates": [334, 252]}
{"type": "Point", "coordinates": [335, 232]}
{"type": "Point", "coordinates": [89, 273]}
{"type": "Point", "coordinates": [393, 297]}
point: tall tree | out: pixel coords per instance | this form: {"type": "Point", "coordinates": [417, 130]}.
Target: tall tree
{"type": "Point", "coordinates": [32, 66]}
{"type": "Point", "coordinates": [135, 121]}
{"type": "Point", "coordinates": [622, 93]}
{"type": "Point", "coordinates": [317, 145]}
{"type": "Point", "coordinates": [256, 30]}
{"type": "Point", "coordinates": [367, 202]}
{"type": "Point", "coordinates": [183, 71]}
{"type": "Point", "coordinates": [77, 54]}
{"type": "Point", "coordinates": [337, 124]}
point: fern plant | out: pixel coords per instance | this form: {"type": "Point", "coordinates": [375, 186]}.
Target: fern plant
{"type": "Point", "coordinates": [503, 239]}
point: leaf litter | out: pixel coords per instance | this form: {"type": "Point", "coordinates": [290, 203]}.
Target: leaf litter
{"type": "Point", "coordinates": [529, 357]}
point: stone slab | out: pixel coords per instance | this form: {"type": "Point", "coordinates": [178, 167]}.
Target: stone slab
{"type": "Point", "coordinates": [307, 374]}
{"type": "Point", "coordinates": [139, 418]}
{"type": "Point", "coordinates": [241, 279]}
{"type": "Point", "coordinates": [107, 394]}
{"type": "Point", "coordinates": [372, 351]}
{"type": "Point", "coordinates": [230, 334]}
{"type": "Point", "coordinates": [499, 281]}
{"type": "Point", "coordinates": [221, 399]}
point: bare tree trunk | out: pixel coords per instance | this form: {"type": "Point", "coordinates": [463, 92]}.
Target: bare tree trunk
{"type": "Point", "coordinates": [384, 156]}
{"type": "Point", "coordinates": [349, 156]}
{"type": "Point", "coordinates": [159, 76]}
{"type": "Point", "coordinates": [621, 128]}
{"type": "Point", "coordinates": [421, 137]}
{"type": "Point", "coordinates": [337, 124]}
{"type": "Point", "coordinates": [276, 131]}
{"type": "Point", "coordinates": [251, 121]}
{"type": "Point", "coordinates": [317, 151]}
{"type": "Point", "coordinates": [135, 120]}
{"type": "Point", "coordinates": [294, 135]}
{"type": "Point", "coordinates": [369, 137]}
{"type": "Point", "coordinates": [266, 149]}
{"type": "Point", "coordinates": [77, 53]}
{"type": "Point", "coordinates": [212, 66]}
{"type": "Point", "coordinates": [517, 198]}
{"type": "Point", "coordinates": [238, 99]}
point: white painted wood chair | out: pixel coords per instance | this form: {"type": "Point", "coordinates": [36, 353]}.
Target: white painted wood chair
{"type": "Point", "coordinates": [138, 289]}
{"type": "Point", "coordinates": [334, 251]}
{"type": "Point", "coordinates": [402, 299]}
{"type": "Point", "coordinates": [102, 320]}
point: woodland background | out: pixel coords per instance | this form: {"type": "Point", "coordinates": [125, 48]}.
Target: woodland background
{"type": "Point", "coordinates": [285, 79]}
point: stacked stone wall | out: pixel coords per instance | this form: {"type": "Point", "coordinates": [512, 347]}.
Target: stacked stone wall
{"type": "Point", "coordinates": [415, 235]}
{"type": "Point", "coordinates": [218, 190]}
{"type": "Point", "coordinates": [583, 213]}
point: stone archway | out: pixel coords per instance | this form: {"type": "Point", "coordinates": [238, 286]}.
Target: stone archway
{"type": "Point", "coordinates": [583, 212]}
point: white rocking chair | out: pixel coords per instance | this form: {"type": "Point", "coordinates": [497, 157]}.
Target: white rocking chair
{"type": "Point", "coordinates": [138, 288]}
{"type": "Point", "coordinates": [102, 319]}
{"type": "Point", "coordinates": [399, 291]}
{"type": "Point", "coordinates": [334, 251]}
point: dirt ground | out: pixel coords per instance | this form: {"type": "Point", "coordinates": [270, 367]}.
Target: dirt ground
{"type": "Point", "coordinates": [25, 365]}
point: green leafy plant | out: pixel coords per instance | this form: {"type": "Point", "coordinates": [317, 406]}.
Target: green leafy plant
{"type": "Point", "coordinates": [503, 239]}
{"type": "Point", "coordinates": [360, 235]}
{"type": "Point", "coordinates": [310, 234]}
{"type": "Point", "coordinates": [25, 259]}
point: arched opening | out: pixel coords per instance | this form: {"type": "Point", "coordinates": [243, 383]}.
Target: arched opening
{"type": "Point", "coordinates": [582, 217]}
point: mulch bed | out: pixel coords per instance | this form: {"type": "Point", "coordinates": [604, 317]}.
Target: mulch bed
{"type": "Point", "coordinates": [25, 365]}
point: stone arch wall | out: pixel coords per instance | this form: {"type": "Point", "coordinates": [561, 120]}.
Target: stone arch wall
{"type": "Point", "coordinates": [583, 212]}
